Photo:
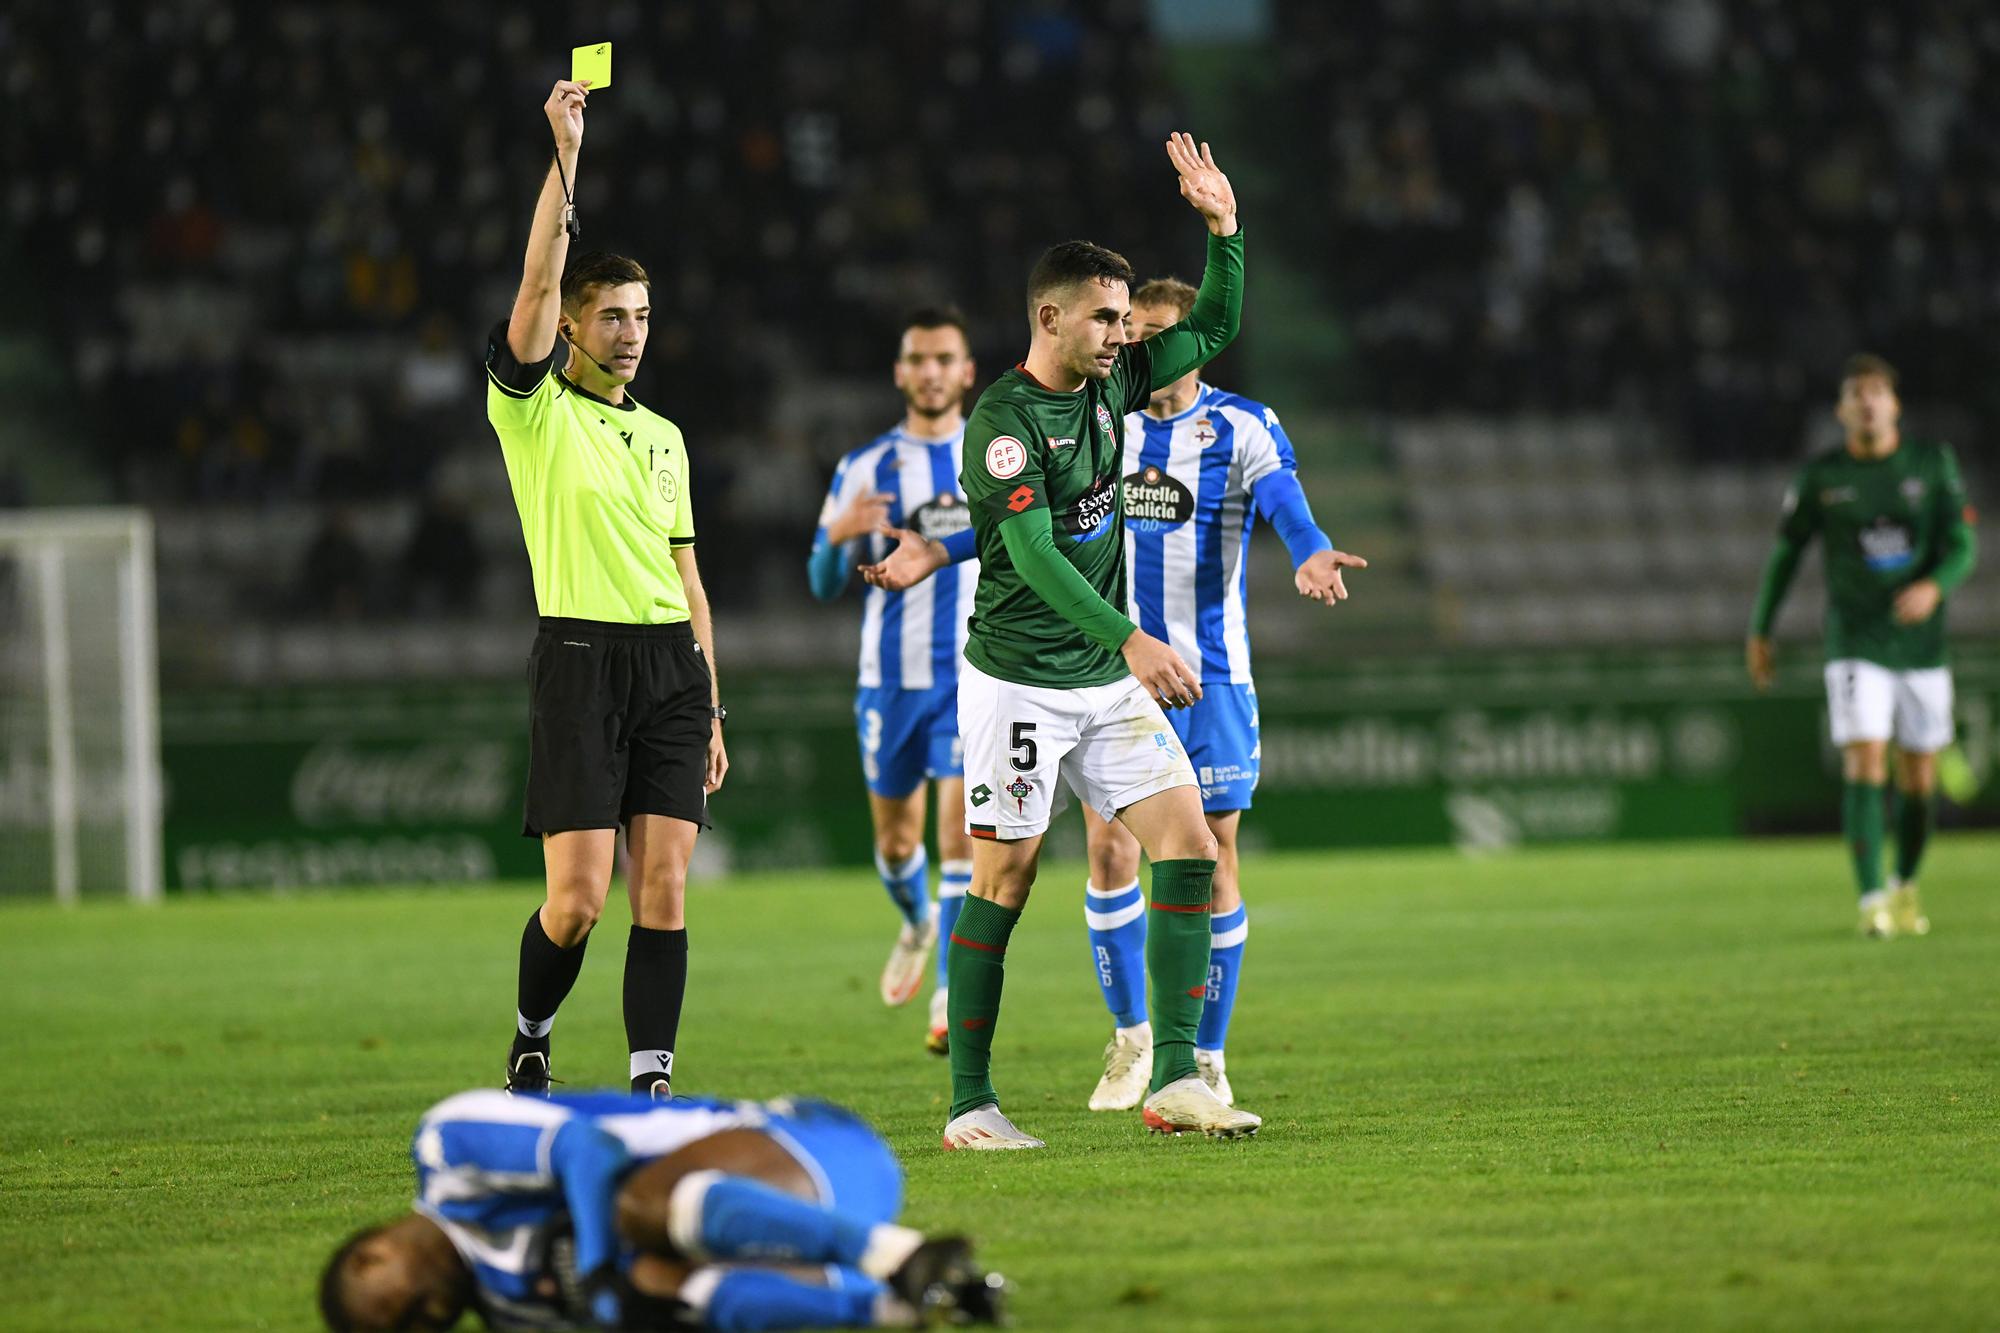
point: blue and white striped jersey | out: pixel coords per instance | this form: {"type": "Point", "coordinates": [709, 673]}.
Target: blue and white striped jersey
{"type": "Point", "coordinates": [913, 639]}
{"type": "Point", "coordinates": [510, 1187]}
{"type": "Point", "coordinates": [1188, 516]}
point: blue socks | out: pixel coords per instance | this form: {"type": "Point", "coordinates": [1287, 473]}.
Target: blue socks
{"type": "Point", "coordinates": [744, 1219]}
{"type": "Point", "coordinates": [1117, 921]}
{"type": "Point", "coordinates": [908, 885]}
{"type": "Point", "coordinates": [1225, 964]}
{"type": "Point", "coordinates": [755, 1298]}
{"type": "Point", "coordinates": [955, 879]}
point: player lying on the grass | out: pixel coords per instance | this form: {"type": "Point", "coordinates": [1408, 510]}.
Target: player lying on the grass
{"type": "Point", "coordinates": [906, 702]}
{"type": "Point", "coordinates": [1200, 465]}
{"type": "Point", "coordinates": [614, 1211]}
{"type": "Point", "coordinates": [1059, 688]}
{"type": "Point", "coordinates": [1897, 528]}
{"type": "Point", "coordinates": [625, 724]}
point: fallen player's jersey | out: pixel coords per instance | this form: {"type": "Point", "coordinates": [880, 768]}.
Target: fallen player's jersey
{"type": "Point", "coordinates": [524, 1186]}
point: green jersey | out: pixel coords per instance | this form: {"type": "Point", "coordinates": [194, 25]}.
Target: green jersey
{"type": "Point", "coordinates": [602, 489]}
{"type": "Point", "coordinates": [1885, 523]}
{"type": "Point", "coordinates": [1044, 464]}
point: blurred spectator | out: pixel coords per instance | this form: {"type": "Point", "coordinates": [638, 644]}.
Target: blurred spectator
{"type": "Point", "coordinates": [335, 579]}
{"type": "Point", "coordinates": [442, 564]}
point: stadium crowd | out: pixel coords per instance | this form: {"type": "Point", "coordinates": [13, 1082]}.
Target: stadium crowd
{"type": "Point", "coordinates": [1691, 209]}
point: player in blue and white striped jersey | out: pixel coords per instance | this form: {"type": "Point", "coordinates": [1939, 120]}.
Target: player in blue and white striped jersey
{"type": "Point", "coordinates": [615, 1211]}
{"type": "Point", "coordinates": [905, 710]}
{"type": "Point", "coordinates": [1201, 466]}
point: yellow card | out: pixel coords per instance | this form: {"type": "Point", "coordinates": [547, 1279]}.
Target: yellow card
{"type": "Point", "coordinates": [592, 65]}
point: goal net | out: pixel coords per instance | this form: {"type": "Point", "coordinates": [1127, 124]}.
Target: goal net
{"type": "Point", "coordinates": [79, 705]}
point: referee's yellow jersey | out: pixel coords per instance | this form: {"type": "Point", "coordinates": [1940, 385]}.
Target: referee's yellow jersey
{"type": "Point", "coordinates": [602, 490]}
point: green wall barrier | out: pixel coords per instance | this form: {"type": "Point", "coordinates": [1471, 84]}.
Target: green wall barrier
{"type": "Point", "coordinates": [424, 783]}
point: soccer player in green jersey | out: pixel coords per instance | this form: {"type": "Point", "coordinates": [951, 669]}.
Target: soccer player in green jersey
{"type": "Point", "coordinates": [1059, 688]}
{"type": "Point", "coordinates": [625, 726]}
{"type": "Point", "coordinates": [1898, 535]}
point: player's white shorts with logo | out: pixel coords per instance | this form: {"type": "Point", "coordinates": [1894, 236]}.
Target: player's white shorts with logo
{"type": "Point", "coordinates": [1869, 702]}
{"type": "Point", "coordinates": [1110, 744]}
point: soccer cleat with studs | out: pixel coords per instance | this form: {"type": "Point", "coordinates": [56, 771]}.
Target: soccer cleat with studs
{"type": "Point", "coordinates": [908, 962]}
{"type": "Point", "coordinates": [984, 1129]}
{"type": "Point", "coordinates": [1128, 1060]}
{"type": "Point", "coordinates": [943, 1284]}
{"type": "Point", "coordinates": [1209, 1065]}
{"type": "Point", "coordinates": [1190, 1106]}
{"type": "Point", "coordinates": [1906, 909]}
{"type": "Point", "coordinates": [1874, 920]}
{"type": "Point", "coordinates": [528, 1073]}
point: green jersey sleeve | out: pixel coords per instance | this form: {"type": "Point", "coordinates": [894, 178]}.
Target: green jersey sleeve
{"type": "Point", "coordinates": [1209, 327]}
{"type": "Point", "coordinates": [1003, 471]}
{"type": "Point", "coordinates": [1795, 529]}
{"type": "Point", "coordinates": [1960, 548]}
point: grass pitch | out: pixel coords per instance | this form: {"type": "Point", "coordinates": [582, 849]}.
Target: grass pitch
{"type": "Point", "coordinates": [1649, 1087]}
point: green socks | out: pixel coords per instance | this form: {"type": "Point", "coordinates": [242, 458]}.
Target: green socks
{"type": "Point", "coordinates": [1916, 816]}
{"type": "Point", "coordinates": [975, 969]}
{"type": "Point", "coordinates": [1861, 819]}
{"type": "Point", "coordinates": [1177, 940]}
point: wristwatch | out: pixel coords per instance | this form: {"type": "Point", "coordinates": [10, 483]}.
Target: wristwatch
{"type": "Point", "coordinates": [719, 713]}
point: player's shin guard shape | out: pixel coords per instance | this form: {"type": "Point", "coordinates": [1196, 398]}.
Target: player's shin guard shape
{"type": "Point", "coordinates": [656, 970]}
{"type": "Point", "coordinates": [1861, 819]}
{"type": "Point", "coordinates": [1117, 922]}
{"type": "Point", "coordinates": [954, 879]}
{"type": "Point", "coordinates": [1177, 956]}
{"type": "Point", "coordinates": [978, 952]}
{"type": "Point", "coordinates": [1916, 816]}
{"type": "Point", "coordinates": [759, 1298]}
{"type": "Point", "coordinates": [547, 973]}
{"type": "Point", "coordinates": [908, 885]}
{"type": "Point", "coordinates": [1227, 934]}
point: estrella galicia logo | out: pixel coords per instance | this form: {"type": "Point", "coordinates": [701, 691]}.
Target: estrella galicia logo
{"type": "Point", "coordinates": [1090, 517]}
{"type": "Point", "coordinates": [943, 516]}
{"type": "Point", "coordinates": [1885, 545]}
{"type": "Point", "coordinates": [1155, 502]}
{"type": "Point", "coordinates": [981, 795]}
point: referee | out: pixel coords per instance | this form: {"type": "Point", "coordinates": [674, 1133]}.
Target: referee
{"type": "Point", "coordinates": [624, 717]}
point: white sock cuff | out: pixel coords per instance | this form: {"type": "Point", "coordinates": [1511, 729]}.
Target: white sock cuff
{"type": "Point", "coordinates": [888, 1247]}
{"type": "Point", "coordinates": [1233, 936]}
{"type": "Point", "coordinates": [698, 1288]}
{"type": "Point", "coordinates": [1090, 888]}
{"type": "Point", "coordinates": [653, 1062]}
{"type": "Point", "coordinates": [534, 1029]}
{"type": "Point", "coordinates": [955, 869]}
{"type": "Point", "coordinates": [917, 862]}
{"type": "Point", "coordinates": [684, 1218]}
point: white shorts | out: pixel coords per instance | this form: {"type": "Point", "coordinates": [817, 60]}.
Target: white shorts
{"type": "Point", "coordinates": [1869, 702]}
{"type": "Point", "coordinates": [1110, 744]}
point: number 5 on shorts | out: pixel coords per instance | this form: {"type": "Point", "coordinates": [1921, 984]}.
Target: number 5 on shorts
{"type": "Point", "coordinates": [1023, 745]}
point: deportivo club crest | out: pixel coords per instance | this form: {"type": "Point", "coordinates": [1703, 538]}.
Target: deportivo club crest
{"type": "Point", "coordinates": [1020, 789]}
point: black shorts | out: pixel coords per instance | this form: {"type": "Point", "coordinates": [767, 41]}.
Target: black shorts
{"type": "Point", "coordinates": [619, 722]}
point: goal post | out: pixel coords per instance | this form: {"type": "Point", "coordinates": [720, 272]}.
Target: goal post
{"type": "Point", "coordinates": [80, 788]}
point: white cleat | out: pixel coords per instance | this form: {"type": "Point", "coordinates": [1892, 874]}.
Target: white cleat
{"type": "Point", "coordinates": [1906, 909]}
{"type": "Point", "coordinates": [1209, 1065]}
{"type": "Point", "coordinates": [908, 962]}
{"type": "Point", "coordinates": [1128, 1063]}
{"type": "Point", "coordinates": [1190, 1106]}
{"type": "Point", "coordinates": [1875, 921]}
{"type": "Point", "coordinates": [938, 1040]}
{"type": "Point", "coordinates": [984, 1129]}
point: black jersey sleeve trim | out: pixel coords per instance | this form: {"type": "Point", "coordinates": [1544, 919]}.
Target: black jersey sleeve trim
{"type": "Point", "coordinates": [680, 541]}
{"type": "Point", "coordinates": [518, 378]}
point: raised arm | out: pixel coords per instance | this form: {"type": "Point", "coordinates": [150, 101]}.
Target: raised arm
{"type": "Point", "coordinates": [1218, 307]}
{"type": "Point", "coordinates": [531, 331]}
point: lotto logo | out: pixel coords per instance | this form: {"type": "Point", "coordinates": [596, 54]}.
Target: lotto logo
{"type": "Point", "coordinates": [981, 794]}
{"type": "Point", "coordinates": [1022, 497]}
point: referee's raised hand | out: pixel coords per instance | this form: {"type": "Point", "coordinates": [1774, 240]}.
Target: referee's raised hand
{"type": "Point", "coordinates": [565, 112]}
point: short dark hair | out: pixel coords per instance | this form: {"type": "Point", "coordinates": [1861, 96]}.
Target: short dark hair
{"type": "Point", "coordinates": [333, 1283]}
{"type": "Point", "coordinates": [937, 317]}
{"type": "Point", "coordinates": [1168, 292]}
{"type": "Point", "coordinates": [1066, 264]}
{"type": "Point", "coordinates": [1867, 363]}
{"type": "Point", "coordinates": [595, 269]}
